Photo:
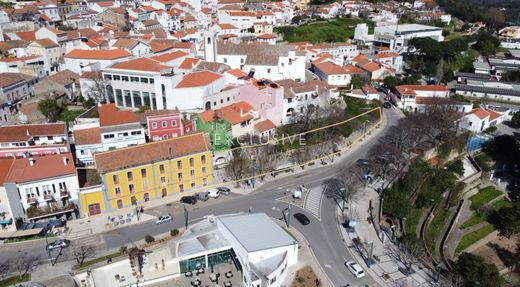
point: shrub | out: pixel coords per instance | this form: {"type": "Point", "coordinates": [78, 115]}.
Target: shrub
{"type": "Point", "coordinates": [123, 249]}
{"type": "Point", "coordinates": [149, 239]}
{"type": "Point", "coordinates": [174, 232]}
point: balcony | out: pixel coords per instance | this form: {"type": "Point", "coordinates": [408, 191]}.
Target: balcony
{"type": "Point", "coordinates": [64, 193]}
{"type": "Point", "coordinates": [32, 200]}
{"type": "Point", "coordinates": [48, 197]}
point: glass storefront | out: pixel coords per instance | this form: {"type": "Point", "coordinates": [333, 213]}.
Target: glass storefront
{"type": "Point", "coordinates": [192, 264]}
{"type": "Point", "coordinates": [219, 258]}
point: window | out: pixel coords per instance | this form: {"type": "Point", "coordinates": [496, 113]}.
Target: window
{"type": "Point", "coordinates": [143, 173]}
{"type": "Point", "coordinates": [179, 164]}
{"type": "Point", "coordinates": [134, 133]}
{"type": "Point", "coordinates": [163, 124]}
{"type": "Point", "coordinates": [117, 78]}
{"type": "Point", "coordinates": [204, 181]}
{"type": "Point", "coordinates": [154, 125]}
{"type": "Point", "coordinates": [124, 78]}
{"type": "Point", "coordinates": [289, 100]}
{"type": "Point", "coordinates": [241, 60]}
{"type": "Point", "coordinates": [192, 172]}
{"type": "Point", "coordinates": [144, 80]}
{"type": "Point", "coordinates": [192, 162]}
{"type": "Point", "coordinates": [161, 168]}
{"type": "Point", "coordinates": [179, 175]}
{"type": "Point", "coordinates": [225, 60]}
{"type": "Point", "coordinates": [133, 200]}
{"type": "Point", "coordinates": [134, 79]}
{"type": "Point", "coordinates": [181, 187]}
{"type": "Point", "coordinates": [174, 123]}
{"type": "Point", "coordinates": [192, 185]}
{"type": "Point", "coordinates": [163, 179]}
{"type": "Point", "coordinates": [269, 71]}
{"type": "Point", "coordinates": [131, 187]}
{"type": "Point", "coordinates": [115, 178]}
{"type": "Point", "coordinates": [165, 137]}
{"type": "Point", "coordinates": [108, 77]}
{"type": "Point", "coordinates": [118, 191]}
{"type": "Point", "coordinates": [204, 171]}
{"type": "Point", "coordinates": [151, 81]}
{"type": "Point", "coordinates": [203, 159]}
{"type": "Point", "coordinates": [174, 135]}
{"type": "Point", "coordinates": [119, 203]}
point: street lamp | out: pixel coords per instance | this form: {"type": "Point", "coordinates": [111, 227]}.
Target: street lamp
{"type": "Point", "coordinates": [344, 197]}
{"type": "Point", "coordinates": [185, 218]}
{"type": "Point", "coordinates": [370, 252]}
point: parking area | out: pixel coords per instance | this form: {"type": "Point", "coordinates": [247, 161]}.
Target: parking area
{"type": "Point", "coordinates": [178, 206]}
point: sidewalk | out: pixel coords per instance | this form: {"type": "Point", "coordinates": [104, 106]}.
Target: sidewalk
{"type": "Point", "coordinates": [384, 269]}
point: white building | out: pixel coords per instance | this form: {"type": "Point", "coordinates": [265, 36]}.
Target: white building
{"type": "Point", "coordinates": [79, 61]}
{"type": "Point", "coordinates": [332, 73]}
{"type": "Point", "coordinates": [42, 182]}
{"type": "Point", "coordinates": [479, 119]}
{"type": "Point", "coordinates": [396, 37]}
{"type": "Point", "coordinates": [275, 62]}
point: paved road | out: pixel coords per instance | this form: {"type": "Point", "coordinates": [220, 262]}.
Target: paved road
{"type": "Point", "coordinates": [322, 234]}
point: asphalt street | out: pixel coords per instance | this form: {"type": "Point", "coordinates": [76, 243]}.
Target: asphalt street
{"type": "Point", "coordinates": [322, 234]}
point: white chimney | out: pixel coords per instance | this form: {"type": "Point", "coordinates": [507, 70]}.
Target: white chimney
{"type": "Point", "coordinates": [28, 133]}
{"type": "Point", "coordinates": [58, 151]}
{"type": "Point", "coordinates": [65, 160]}
{"type": "Point", "coordinates": [31, 161]}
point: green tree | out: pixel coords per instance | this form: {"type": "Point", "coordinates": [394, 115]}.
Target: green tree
{"type": "Point", "coordinates": [456, 167]}
{"type": "Point", "coordinates": [476, 272]}
{"type": "Point", "coordinates": [507, 220]}
{"type": "Point", "coordinates": [359, 81]}
{"type": "Point", "coordinates": [516, 119]}
{"type": "Point", "coordinates": [396, 203]}
{"type": "Point", "coordinates": [50, 109]}
{"type": "Point", "coordinates": [391, 82]}
{"type": "Point", "coordinates": [149, 239]}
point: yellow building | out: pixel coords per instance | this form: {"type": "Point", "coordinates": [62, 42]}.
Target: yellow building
{"type": "Point", "coordinates": [133, 175]}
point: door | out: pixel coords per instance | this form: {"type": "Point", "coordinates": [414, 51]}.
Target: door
{"type": "Point", "coordinates": [94, 209]}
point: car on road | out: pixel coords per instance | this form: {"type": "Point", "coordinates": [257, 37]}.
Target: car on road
{"type": "Point", "coordinates": [202, 195]}
{"type": "Point", "coordinates": [302, 218]}
{"type": "Point", "coordinates": [164, 219]}
{"type": "Point", "coordinates": [189, 200]}
{"type": "Point", "coordinates": [213, 193]}
{"type": "Point", "coordinates": [387, 105]}
{"type": "Point", "coordinates": [362, 162]}
{"type": "Point", "coordinates": [60, 243]}
{"type": "Point", "coordinates": [355, 269]}
{"type": "Point", "coordinates": [224, 190]}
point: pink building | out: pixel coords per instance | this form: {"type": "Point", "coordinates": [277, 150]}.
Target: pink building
{"type": "Point", "coordinates": [28, 140]}
{"type": "Point", "coordinates": [164, 124]}
{"type": "Point", "coordinates": [265, 96]}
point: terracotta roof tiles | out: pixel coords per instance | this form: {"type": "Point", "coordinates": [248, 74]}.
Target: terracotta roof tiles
{"type": "Point", "coordinates": [43, 167]}
{"type": "Point", "coordinates": [98, 54]}
{"type": "Point", "coordinates": [198, 79]}
{"type": "Point", "coordinates": [88, 136]}
{"type": "Point", "coordinates": [109, 115]}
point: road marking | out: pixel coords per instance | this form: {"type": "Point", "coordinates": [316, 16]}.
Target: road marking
{"type": "Point", "coordinates": [313, 202]}
{"type": "Point", "coordinates": [328, 266]}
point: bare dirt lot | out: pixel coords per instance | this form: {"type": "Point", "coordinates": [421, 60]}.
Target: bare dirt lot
{"type": "Point", "coordinates": [305, 277]}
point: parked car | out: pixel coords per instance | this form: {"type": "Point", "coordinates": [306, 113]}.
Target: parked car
{"type": "Point", "coordinates": [362, 162]}
{"type": "Point", "coordinates": [214, 192]}
{"type": "Point", "coordinates": [355, 269]}
{"type": "Point", "coordinates": [224, 190]}
{"type": "Point", "coordinates": [163, 219]}
{"type": "Point", "coordinates": [60, 243]}
{"type": "Point", "coordinates": [189, 200]}
{"type": "Point", "coordinates": [202, 196]}
{"type": "Point", "coordinates": [302, 218]}
{"type": "Point", "coordinates": [387, 105]}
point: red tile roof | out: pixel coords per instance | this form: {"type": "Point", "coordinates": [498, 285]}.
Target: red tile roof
{"type": "Point", "coordinates": [264, 126]}
{"type": "Point", "coordinates": [20, 133]}
{"type": "Point", "coordinates": [87, 136]}
{"type": "Point", "coordinates": [140, 64]}
{"type": "Point", "coordinates": [98, 54]}
{"type": "Point", "coordinates": [169, 56]}
{"type": "Point", "coordinates": [46, 43]}
{"type": "Point", "coordinates": [47, 166]}
{"type": "Point", "coordinates": [27, 35]}
{"type": "Point", "coordinates": [109, 115]}
{"type": "Point", "coordinates": [227, 26]}
{"type": "Point", "coordinates": [412, 88]}
{"type": "Point", "coordinates": [198, 79]}
{"type": "Point", "coordinates": [330, 68]}
{"type": "Point", "coordinates": [235, 113]}
{"type": "Point", "coordinates": [151, 152]}
{"type": "Point", "coordinates": [5, 166]}
{"type": "Point", "coordinates": [157, 46]}
{"type": "Point", "coordinates": [189, 63]}
{"type": "Point", "coordinates": [369, 89]}
{"type": "Point", "coordinates": [237, 73]}
{"type": "Point", "coordinates": [370, 66]}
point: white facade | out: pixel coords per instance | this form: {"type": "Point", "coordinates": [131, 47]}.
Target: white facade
{"type": "Point", "coordinates": [396, 37]}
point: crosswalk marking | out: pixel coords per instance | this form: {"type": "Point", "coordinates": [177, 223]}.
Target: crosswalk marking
{"type": "Point", "coordinates": [313, 202]}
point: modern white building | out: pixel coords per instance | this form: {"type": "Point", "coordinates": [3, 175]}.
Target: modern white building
{"type": "Point", "coordinates": [396, 37]}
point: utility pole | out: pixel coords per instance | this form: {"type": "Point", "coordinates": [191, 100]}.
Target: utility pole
{"type": "Point", "coordinates": [185, 218]}
{"type": "Point", "coordinates": [288, 216]}
{"type": "Point", "coordinates": [370, 252]}
{"type": "Point", "coordinates": [49, 255]}
{"type": "Point", "coordinates": [343, 193]}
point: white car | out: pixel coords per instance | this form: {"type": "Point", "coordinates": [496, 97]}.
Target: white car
{"type": "Point", "coordinates": [214, 193]}
{"type": "Point", "coordinates": [60, 243]}
{"type": "Point", "coordinates": [355, 268]}
{"type": "Point", "coordinates": [163, 219]}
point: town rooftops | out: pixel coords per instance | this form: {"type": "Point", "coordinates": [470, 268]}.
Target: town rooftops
{"type": "Point", "coordinates": [235, 113]}
{"type": "Point", "coordinates": [330, 68]}
{"type": "Point", "coordinates": [292, 87]}
{"type": "Point", "coordinates": [160, 113]}
{"type": "Point", "coordinates": [266, 55]}
{"type": "Point", "coordinates": [151, 152]}
{"type": "Point", "coordinates": [264, 126]}
{"type": "Point", "coordinates": [170, 56]}
{"type": "Point", "coordinates": [98, 54]}
{"type": "Point", "coordinates": [411, 89]}
{"type": "Point", "coordinates": [8, 79]}
{"type": "Point", "coordinates": [109, 115]}
{"type": "Point", "coordinates": [189, 63]}
{"type": "Point", "coordinates": [198, 79]}
{"type": "Point", "coordinates": [65, 77]}
{"type": "Point", "coordinates": [41, 167]}
{"type": "Point", "coordinates": [140, 64]}
{"type": "Point", "coordinates": [88, 136]}
{"type": "Point", "coordinates": [46, 43]}
{"type": "Point", "coordinates": [482, 113]}
{"type": "Point", "coordinates": [22, 133]}
{"type": "Point", "coordinates": [237, 73]}
{"type": "Point", "coordinates": [125, 43]}
{"type": "Point", "coordinates": [5, 166]}
{"type": "Point", "coordinates": [256, 231]}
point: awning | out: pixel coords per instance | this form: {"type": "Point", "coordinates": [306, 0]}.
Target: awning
{"type": "Point", "coordinates": [8, 221]}
{"type": "Point", "coordinates": [28, 232]}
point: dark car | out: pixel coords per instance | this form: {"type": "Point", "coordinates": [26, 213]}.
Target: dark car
{"type": "Point", "coordinates": [362, 162]}
{"type": "Point", "coordinates": [60, 243]}
{"type": "Point", "coordinates": [224, 190]}
{"type": "Point", "coordinates": [189, 199]}
{"type": "Point", "coordinates": [302, 218]}
{"type": "Point", "coordinates": [387, 105]}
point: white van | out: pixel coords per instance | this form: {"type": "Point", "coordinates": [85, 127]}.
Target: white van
{"type": "Point", "coordinates": [213, 193]}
